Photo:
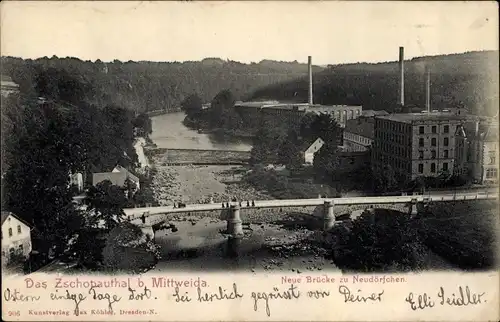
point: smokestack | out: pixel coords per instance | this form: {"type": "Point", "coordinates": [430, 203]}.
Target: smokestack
{"type": "Point", "coordinates": [309, 67]}
{"type": "Point", "coordinates": [401, 76]}
{"type": "Point", "coordinates": [428, 90]}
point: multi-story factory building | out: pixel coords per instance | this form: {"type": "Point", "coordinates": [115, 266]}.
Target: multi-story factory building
{"type": "Point", "coordinates": [416, 144]}
{"type": "Point", "coordinates": [293, 112]}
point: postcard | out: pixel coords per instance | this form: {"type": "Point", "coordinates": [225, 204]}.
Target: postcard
{"type": "Point", "coordinates": [249, 161]}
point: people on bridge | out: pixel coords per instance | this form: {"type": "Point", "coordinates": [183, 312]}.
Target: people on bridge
{"type": "Point", "coordinates": [248, 203]}
{"type": "Point", "coordinates": [223, 205]}
{"type": "Point", "coordinates": [227, 204]}
{"type": "Point", "coordinates": [240, 203]}
{"type": "Point", "coordinates": [143, 218]}
{"type": "Point", "coordinates": [175, 205]}
{"type": "Point", "coordinates": [253, 203]}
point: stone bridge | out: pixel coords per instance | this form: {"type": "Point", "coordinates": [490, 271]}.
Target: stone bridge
{"type": "Point", "coordinates": [329, 209]}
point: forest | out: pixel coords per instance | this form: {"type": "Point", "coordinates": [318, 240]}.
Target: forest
{"type": "Point", "coordinates": [467, 80]}
{"type": "Point", "coordinates": [43, 141]}
{"type": "Point", "coordinates": [147, 86]}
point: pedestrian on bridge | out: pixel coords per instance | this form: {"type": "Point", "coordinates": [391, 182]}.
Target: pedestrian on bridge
{"type": "Point", "coordinates": [227, 204]}
{"type": "Point", "coordinates": [253, 203]}
{"type": "Point", "coordinates": [223, 205]}
{"type": "Point", "coordinates": [240, 203]}
{"type": "Point", "coordinates": [248, 203]}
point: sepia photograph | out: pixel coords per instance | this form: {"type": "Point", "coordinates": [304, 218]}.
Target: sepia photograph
{"type": "Point", "coordinates": [249, 137]}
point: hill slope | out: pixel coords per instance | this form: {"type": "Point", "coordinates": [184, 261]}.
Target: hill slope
{"type": "Point", "coordinates": [470, 79]}
{"type": "Point", "coordinates": [152, 85]}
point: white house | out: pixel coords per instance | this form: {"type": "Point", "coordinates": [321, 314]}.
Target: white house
{"type": "Point", "coordinates": [312, 149]}
{"type": "Point", "coordinates": [130, 176]}
{"type": "Point", "coordinates": [16, 236]}
{"type": "Point", "coordinates": [76, 179]}
{"type": "Point", "coordinates": [118, 177]}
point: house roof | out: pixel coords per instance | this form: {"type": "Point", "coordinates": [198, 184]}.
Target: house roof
{"type": "Point", "coordinates": [116, 178]}
{"type": "Point", "coordinates": [6, 214]}
{"type": "Point", "coordinates": [131, 176]}
{"type": "Point", "coordinates": [370, 113]}
{"type": "Point", "coordinates": [415, 117]}
{"type": "Point", "coordinates": [486, 131]}
{"type": "Point", "coordinates": [361, 126]}
{"type": "Point", "coordinates": [310, 145]}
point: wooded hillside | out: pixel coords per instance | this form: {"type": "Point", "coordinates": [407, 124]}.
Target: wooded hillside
{"type": "Point", "coordinates": [468, 79]}
{"type": "Point", "coordinates": [147, 86]}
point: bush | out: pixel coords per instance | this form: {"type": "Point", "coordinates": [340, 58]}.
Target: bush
{"type": "Point", "coordinates": [463, 233]}
{"type": "Point", "coordinates": [282, 187]}
{"type": "Point", "coordinates": [127, 248]}
{"type": "Point", "coordinates": [88, 248]}
{"type": "Point", "coordinates": [383, 241]}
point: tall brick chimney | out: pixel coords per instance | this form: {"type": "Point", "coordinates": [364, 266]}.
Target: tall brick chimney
{"type": "Point", "coordinates": [401, 76]}
{"type": "Point", "coordinates": [309, 67]}
{"type": "Point", "coordinates": [428, 90]}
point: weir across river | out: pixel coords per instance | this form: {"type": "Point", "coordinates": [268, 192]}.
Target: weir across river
{"type": "Point", "coordinates": [199, 157]}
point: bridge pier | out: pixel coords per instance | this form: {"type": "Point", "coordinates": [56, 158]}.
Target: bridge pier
{"type": "Point", "coordinates": [328, 216]}
{"type": "Point", "coordinates": [413, 207]}
{"type": "Point", "coordinates": [234, 222]}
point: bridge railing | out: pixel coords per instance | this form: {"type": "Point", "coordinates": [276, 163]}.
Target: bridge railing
{"type": "Point", "coordinates": [134, 213]}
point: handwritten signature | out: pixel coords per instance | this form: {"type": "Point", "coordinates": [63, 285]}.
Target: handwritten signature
{"type": "Point", "coordinates": [461, 298]}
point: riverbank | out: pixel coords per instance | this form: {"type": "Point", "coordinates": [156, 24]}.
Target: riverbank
{"type": "Point", "coordinates": [203, 127]}
{"type": "Point", "coordinates": [200, 184]}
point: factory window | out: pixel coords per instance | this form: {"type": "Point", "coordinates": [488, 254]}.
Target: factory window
{"type": "Point", "coordinates": [445, 166]}
{"type": "Point", "coordinates": [491, 173]}
{"type": "Point", "coordinates": [433, 141]}
{"type": "Point", "coordinates": [421, 130]}
{"type": "Point", "coordinates": [492, 160]}
{"type": "Point", "coordinates": [434, 129]}
{"type": "Point", "coordinates": [446, 141]}
{"type": "Point", "coordinates": [421, 142]}
{"type": "Point", "coordinates": [433, 154]}
{"type": "Point", "coordinates": [445, 153]}
{"type": "Point", "coordinates": [446, 129]}
{"type": "Point", "coordinates": [420, 154]}
{"type": "Point", "coordinates": [420, 168]}
{"type": "Point", "coordinates": [18, 229]}
{"type": "Point", "coordinates": [433, 167]}
{"type": "Point", "coordinates": [10, 232]}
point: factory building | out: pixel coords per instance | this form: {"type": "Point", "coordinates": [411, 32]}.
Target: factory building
{"type": "Point", "coordinates": [293, 112]}
{"type": "Point", "coordinates": [416, 144]}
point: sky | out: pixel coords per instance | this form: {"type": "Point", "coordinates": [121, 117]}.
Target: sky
{"type": "Point", "coordinates": [331, 32]}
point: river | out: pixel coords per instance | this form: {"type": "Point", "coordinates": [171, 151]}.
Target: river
{"type": "Point", "coordinates": [169, 132]}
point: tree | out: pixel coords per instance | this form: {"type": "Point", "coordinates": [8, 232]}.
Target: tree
{"type": "Point", "coordinates": [325, 127]}
{"type": "Point", "coordinates": [267, 142]}
{"type": "Point", "coordinates": [222, 112]}
{"type": "Point", "coordinates": [290, 153]}
{"type": "Point", "coordinates": [305, 128]}
{"type": "Point", "coordinates": [326, 161]}
{"type": "Point", "coordinates": [144, 197]}
{"type": "Point", "coordinates": [143, 125]}
{"type": "Point", "coordinates": [385, 179]}
{"type": "Point", "coordinates": [192, 105]}
{"type": "Point", "coordinates": [108, 202]}
{"type": "Point", "coordinates": [384, 240]}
